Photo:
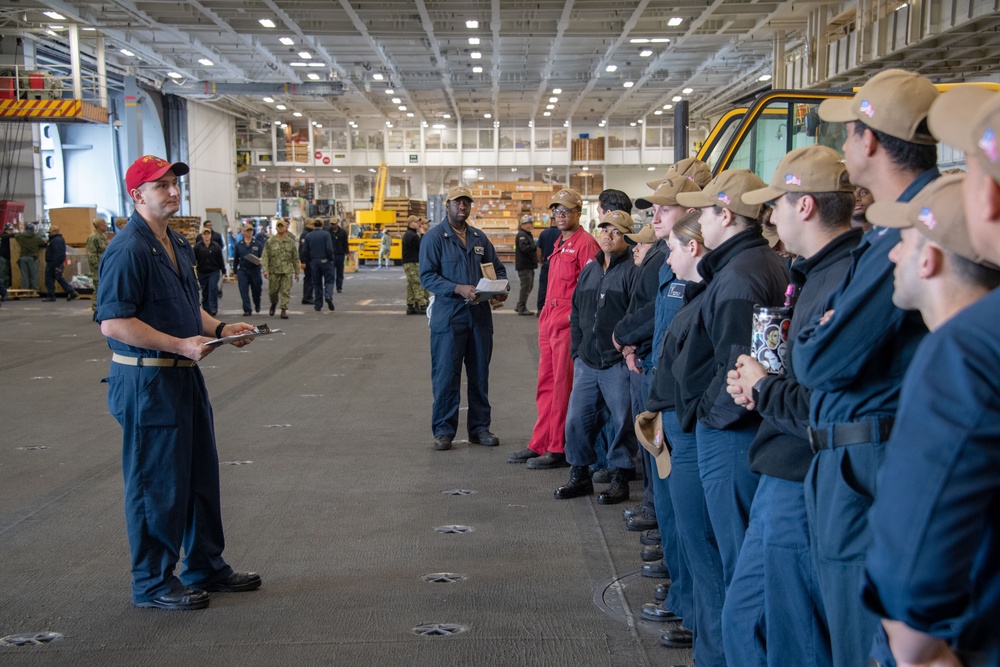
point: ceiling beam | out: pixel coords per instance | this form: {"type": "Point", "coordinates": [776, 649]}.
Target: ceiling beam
{"type": "Point", "coordinates": [439, 60]}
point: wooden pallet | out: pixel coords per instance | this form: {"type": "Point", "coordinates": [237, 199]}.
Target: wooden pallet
{"type": "Point", "coordinates": [22, 294]}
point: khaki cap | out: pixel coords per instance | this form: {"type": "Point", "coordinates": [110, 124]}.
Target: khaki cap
{"type": "Point", "coordinates": [968, 117]}
{"type": "Point", "coordinates": [936, 212]}
{"type": "Point", "coordinates": [667, 191]}
{"type": "Point", "coordinates": [413, 218]}
{"type": "Point", "coordinates": [894, 102]}
{"type": "Point", "coordinates": [620, 220]}
{"type": "Point", "coordinates": [690, 168]}
{"type": "Point", "coordinates": [726, 190]}
{"type": "Point", "coordinates": [458, 192]}
{"type": "Point", "coordinates": [649, 431]}
{"type": "Point", "coordinates": [645, 235]}
{"type": "Point", "coordinates": [280, 223]}
{"type": "Point", "coordinates": [248, 228]}
{"type": "Point", "coordinates": [568, 198]}
{"type": "Point", "coordinates": [811, 169]}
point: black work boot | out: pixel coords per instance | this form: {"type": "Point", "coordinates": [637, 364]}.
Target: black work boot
{"type": "Point", "coordinates": [579, 484]}
{"type": "Point", "coordinates": [618, 491]}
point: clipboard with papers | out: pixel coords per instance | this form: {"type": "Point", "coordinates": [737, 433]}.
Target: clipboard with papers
{"type": "Point", "coordinates": [261, 330]}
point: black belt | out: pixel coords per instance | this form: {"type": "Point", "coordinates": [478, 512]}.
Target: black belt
{"type": "Point", "coordinates": [844, 435]}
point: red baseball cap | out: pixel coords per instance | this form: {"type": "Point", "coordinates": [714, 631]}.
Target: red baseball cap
{"type": "Point", "coordinates": [149, 168]}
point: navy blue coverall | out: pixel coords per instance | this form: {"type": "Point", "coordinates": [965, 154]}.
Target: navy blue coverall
{"type": "Point", "coordinates": [854, 365]}
{"type": "Point", "coordinates": [461, 332]}
{"type": "Point", "coordinates": [317, 253]}
{"type": "Point", "coordinates": [169, 459]}
{"type": "Point", "coordinates": [247, 273]}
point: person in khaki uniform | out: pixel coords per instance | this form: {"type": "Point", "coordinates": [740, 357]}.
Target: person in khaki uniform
{"type": "Point", "coordinates": [280, 262]}
{"type": "Point", "coordinates": [97, 243]}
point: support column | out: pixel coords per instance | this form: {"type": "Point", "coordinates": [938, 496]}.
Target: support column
{"type": "Point", "coordinates": [133, 120]}
{"type": "Point", "coordinates": [680, 130]}
{"type": "Point", "coordinates": [102, 72]}
{"type": "Point", "coordinates": [74, 59]}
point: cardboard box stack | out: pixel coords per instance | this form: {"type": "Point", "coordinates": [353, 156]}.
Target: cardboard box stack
{"type": "Point", "coordinates": [499, 206]}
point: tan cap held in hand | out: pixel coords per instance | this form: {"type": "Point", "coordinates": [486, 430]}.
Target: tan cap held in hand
{"type": "Point", "coordinates": [894, 102]}
{"type": "Point", "coordinates": [644, 235]}
{"type": "Point", "coordinates": [649, 431]}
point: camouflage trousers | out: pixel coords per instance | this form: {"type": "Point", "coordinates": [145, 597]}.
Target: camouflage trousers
{"type": "Point", "coordinates": [416, 295]}
{"type": "Point", "coordinates": [279, 284]}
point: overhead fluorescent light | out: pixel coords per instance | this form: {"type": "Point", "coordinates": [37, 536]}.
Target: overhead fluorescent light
{"type": "Point", "coordinates": [477, 70]}
{"type": "Point", "coordinates": [547, 113]}
{"type": "Point", "coordinates": [319, 125]}
{"type": "Point", "coordinates": [313, 75]}
{"type": "Point", "coordinates": [677, 98]}
{"type": "Point", "coordinates": [650, 168]}
{"type": "Point", "coordinates": [472, 24]}
{"type": "Point", "coordinates": [660, 40]}
{"type": "Point", "coordinates": [447, 115]}
{"type": "Point", "coordinates": [611, 68]}
{"type": "Point", "coordinates": [297, 64]}
{"type": "Point", "coordinates": [688, 91]}
{"type": "Point", "coordinates": [297, 114]}
{"type": "Point", "coordinates": [396, 100]}
{"type": "Point", "coordinates": [281, 107]}
{"type": "Point", "coordinates": [556, 91]}
{"type": "Point", "coordinates": [658, 112]}
{"type": "Point", "coordinates": [629, 84]}
{"type": "Point", "coordinates": [316, 63]}
{"type": "Point", "coordinates": [206, 62]}
{"type": "Point", "coordinates": [639, 40]}
{"type": "Point", "coordinates": [668, 107]}
{"type": "Point", "coordinates": [550, 106]}
{"type": "Point", "coordinates": [553, 99]}
{"type": "Point", "coordinates": [487, 115]}
{"type": "Point", "coordinates": [765, 77]}
{"type": "Point", "coordinates": [174, 75]}
{"type": "Point", "coordinates": [631, 124]}
{"type": "Point", "coordinates": [55, 16]}
{"type": "Point", "coordinates": [475, 55]}
{"type": "Point", "coordinates": [287, 41]}
{"type": "Point", "coordinates": [127, 53]}
{"type": "Point", "coordinates": [390, 91]}
{"type": "Point", "coordinates": [402, 107]}
{"type": "Point", "coordinates": [267, 23]}
{"type": "Point", "coordinates": [474, 41]}
{"type": "Point", "coordinates": [438, 126]}
{"type": "Point", "coordinates": [378, 76]}
{"type": "Point", "coordinates": [675, 21]}
{"type": "Point", "coordinates": [269, 100]}
{"type": "Point", "coordinates": [409, 115]}
{"type": "Point", "coordinates": [305, 55]}
{"type": "Point", "coordinates": [645, 53]}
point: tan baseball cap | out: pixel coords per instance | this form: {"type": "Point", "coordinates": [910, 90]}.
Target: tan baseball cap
{"type": "Point", "coordinates": [644, 235]}
{"type": "Point", "coordinates": [726, 190]}
{"type": "Point", "coordinates": [458, 192]}
{"type": "Point", "coordinates": [894, 102]}
{"type": "Point", "coordinates": [936, 212]}
{"type": "Point", "coordinates": [811, 169]}
{"type": "Point", "coordinates": [568, 198]}
{"type": "Point", "coordinates": [620, 220]}
{"type": "Point", "coordinates": [690, 168]}
{"type": "Point", "coordinates": [280, 223]}
{"type": "Point", "coordinates": [667, 191]}
{"type": "Point", "coordinates": [968, 117]}
{"type": "Point", "coordinates": [649, 431]}
{"type": "Point", "coordinates": [248, 228]}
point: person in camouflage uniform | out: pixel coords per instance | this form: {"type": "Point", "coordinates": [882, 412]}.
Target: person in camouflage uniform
{"type": "Point", "coordinates": [280, 261]}
{"type": "Point", "coordinates": [97, 243]}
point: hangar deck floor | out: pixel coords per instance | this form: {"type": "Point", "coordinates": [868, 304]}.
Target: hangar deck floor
{"type": "Point", "coordinates": [335, 504]}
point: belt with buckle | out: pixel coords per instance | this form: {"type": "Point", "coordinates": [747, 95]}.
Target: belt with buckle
{"type": "Point", "coordinates": [152, 361]}
{"type": "Point", "coordinates": [844, 435]}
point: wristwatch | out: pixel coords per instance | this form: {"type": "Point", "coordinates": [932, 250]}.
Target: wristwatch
{"type": "Point", "coordinates": [218, 329]}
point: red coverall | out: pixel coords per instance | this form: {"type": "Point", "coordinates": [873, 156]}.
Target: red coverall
{"type": "Point", "coordinates": [555, 368]}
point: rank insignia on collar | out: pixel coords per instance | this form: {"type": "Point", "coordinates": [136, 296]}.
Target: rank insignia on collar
{"type": "Point", "coordinates": [480, 250]}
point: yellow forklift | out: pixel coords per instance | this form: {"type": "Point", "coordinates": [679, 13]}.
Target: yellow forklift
{"type": "Point", "coordinates": [365, 233]}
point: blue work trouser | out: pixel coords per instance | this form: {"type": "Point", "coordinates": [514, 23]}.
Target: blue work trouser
{"type": "Point", "coordinates": [53, 275]}
{"type": "Point", "coordinates": [456, 339]}
{"type": "Point", "coordinates": [322, 280]}
{"type": "Point", "coordinates": [543, 284]}
{"type": "Point", "coordinates": [307, 283]}
{"type": "Point", "coordinates": [210, 290]}
{"type": "Point", "coordinates": [839, 491]}
{"type": "Point", "coordinates": [697, 544]}
{"type": "Point", "coordinates": [5, 276]}
{"type": "Point", "coordinates": [249, 281]}
{"type": "Point", "coordinates": [28, 267]}
{"type": "Point", "coordinates": [338, 270]}
{"type": "Point", "coordinates": [171, 471]}
{"type": "Point", "coordinates": [640, 386]}
{"type": "Point", "coordinates": [592, 389]}
{"type": "Point", "coordinates": [774, 596]}
{"type": "Point", "coordinates": [679, 597]}
{"type": "Point", "coordinates": [729, 487]}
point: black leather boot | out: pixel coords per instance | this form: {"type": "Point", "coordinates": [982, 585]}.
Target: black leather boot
{"type": "Point", "coordinates": [618, 491]}
{"type": "Point", "coordinates": [579, 484]}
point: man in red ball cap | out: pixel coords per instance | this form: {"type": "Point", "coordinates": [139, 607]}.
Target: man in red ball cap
{"type": "Point", "coordinates": [148, 308]}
